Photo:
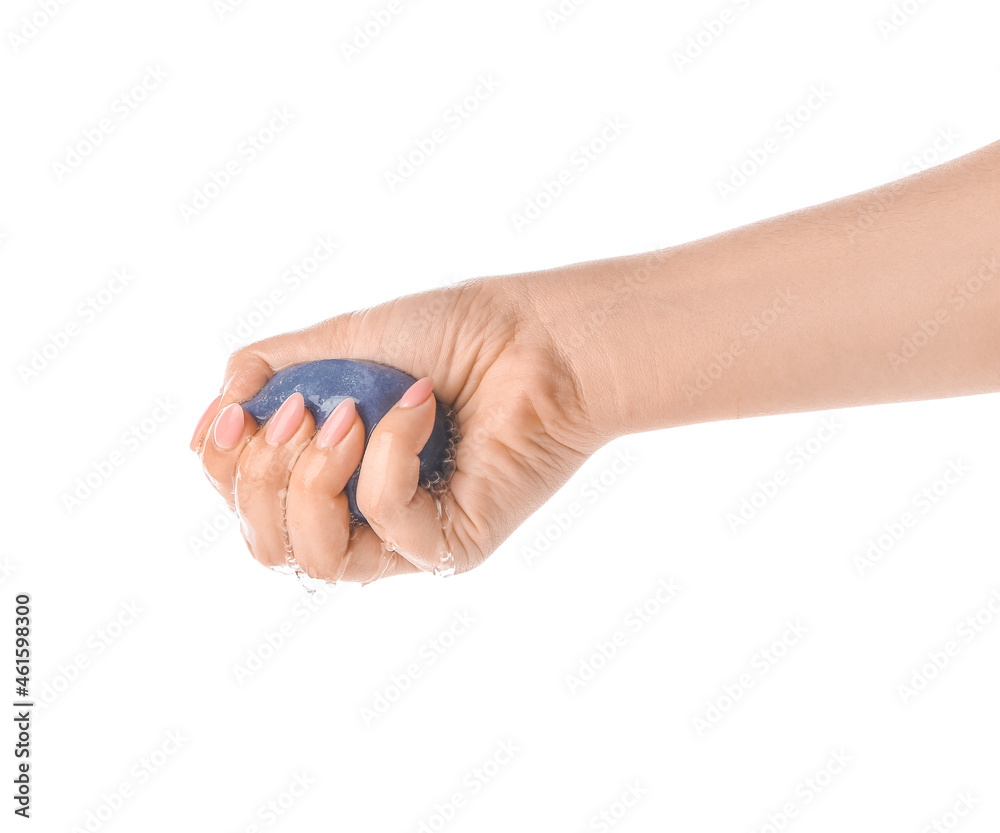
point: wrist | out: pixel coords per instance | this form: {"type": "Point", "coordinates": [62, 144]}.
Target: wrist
{"type": "Point", "coordinates": [608, 322]}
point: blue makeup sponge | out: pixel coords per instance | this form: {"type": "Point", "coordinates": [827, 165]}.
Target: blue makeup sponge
{"type": "Point", "coordinates": [375, 388]}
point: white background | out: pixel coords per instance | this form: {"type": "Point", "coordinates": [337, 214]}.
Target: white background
{"type": "Point", "coordinates": [207, 608]}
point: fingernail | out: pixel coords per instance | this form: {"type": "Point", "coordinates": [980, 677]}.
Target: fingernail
{"type": "Point", "coordinates": [229, 426]}
{"type": "Point", "coordinates": [417, 394]}
{"type": "Point", "coordinates": [286, 420]}
{"type": "Point", "coordinates": [203, 422]}
{"type": "Point", "coordinates": [337, 425]}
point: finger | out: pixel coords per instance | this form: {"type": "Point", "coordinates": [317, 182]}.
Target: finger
{"type": "Point", "coordinates": [249, 368]}
{"type": "Point", "coordinates": [403, 515]}
{"type": "Point", "coordinates": [220, 451]}
{"type": "Point", "coordinates": [318, 515]}
{"type": "Point", "coordinates": [317, 512]}
{"type": "Point", "coordinates": [262, 480]}
{"type": "Point", "coordinates": [201, 429]}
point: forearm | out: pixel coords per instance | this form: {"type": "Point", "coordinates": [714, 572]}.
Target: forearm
{"type": "Point", "coordinates": [888, 295]}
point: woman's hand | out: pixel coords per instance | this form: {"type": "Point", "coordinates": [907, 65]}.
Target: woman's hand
{"type": "Point", "coordinates": [803, 312]}
{"type": "Point", "coordinates": [519, 410]}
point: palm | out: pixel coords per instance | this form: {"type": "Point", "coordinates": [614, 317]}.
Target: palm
{"type": "Point", "coordinates": [508, 461]}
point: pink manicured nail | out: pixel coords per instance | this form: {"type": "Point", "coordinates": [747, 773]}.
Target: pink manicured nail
{"type": "Point", "coordinates": [229, 427]}
{"type": "Point", "coordinates": [203, 422]}
{"type": "Point", "coordinates": [286, 420]}
{"type": "Point", "coordinates": [337, 425]}
{"type": "Point", "coordinates": [417, 394]}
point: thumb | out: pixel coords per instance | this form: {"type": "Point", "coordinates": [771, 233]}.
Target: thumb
{"type": "Point", "coordinates": [402, 514]}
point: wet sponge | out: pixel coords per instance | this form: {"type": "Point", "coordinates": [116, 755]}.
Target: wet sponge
{"type": "Point", "coordinates": [375, 388]}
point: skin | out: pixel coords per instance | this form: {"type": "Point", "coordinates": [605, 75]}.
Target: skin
{"type": "Point", "coordinates": [807, 311]}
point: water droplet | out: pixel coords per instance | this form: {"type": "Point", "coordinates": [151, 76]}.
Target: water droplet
{"type": "Point", "coordinates": [446, 561]}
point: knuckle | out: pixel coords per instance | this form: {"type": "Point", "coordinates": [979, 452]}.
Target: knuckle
{"type": "Point", "coordinates": [259, 465]}
{"type": "Point", "coordinates": [308, 478]}
{"type": "Point", "coordinates": [245, 366]}
{"type": "Point", "coordinates": [238, 358]}
{"type": "Point", "coordinates": [374, 503]}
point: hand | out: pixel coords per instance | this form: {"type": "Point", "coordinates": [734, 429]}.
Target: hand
{"type": "Point", "coordinates": [519, 410]}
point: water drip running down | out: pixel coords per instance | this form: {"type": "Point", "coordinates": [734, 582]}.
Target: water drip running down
{"type": "Point", "coordinates": [446, 565]}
